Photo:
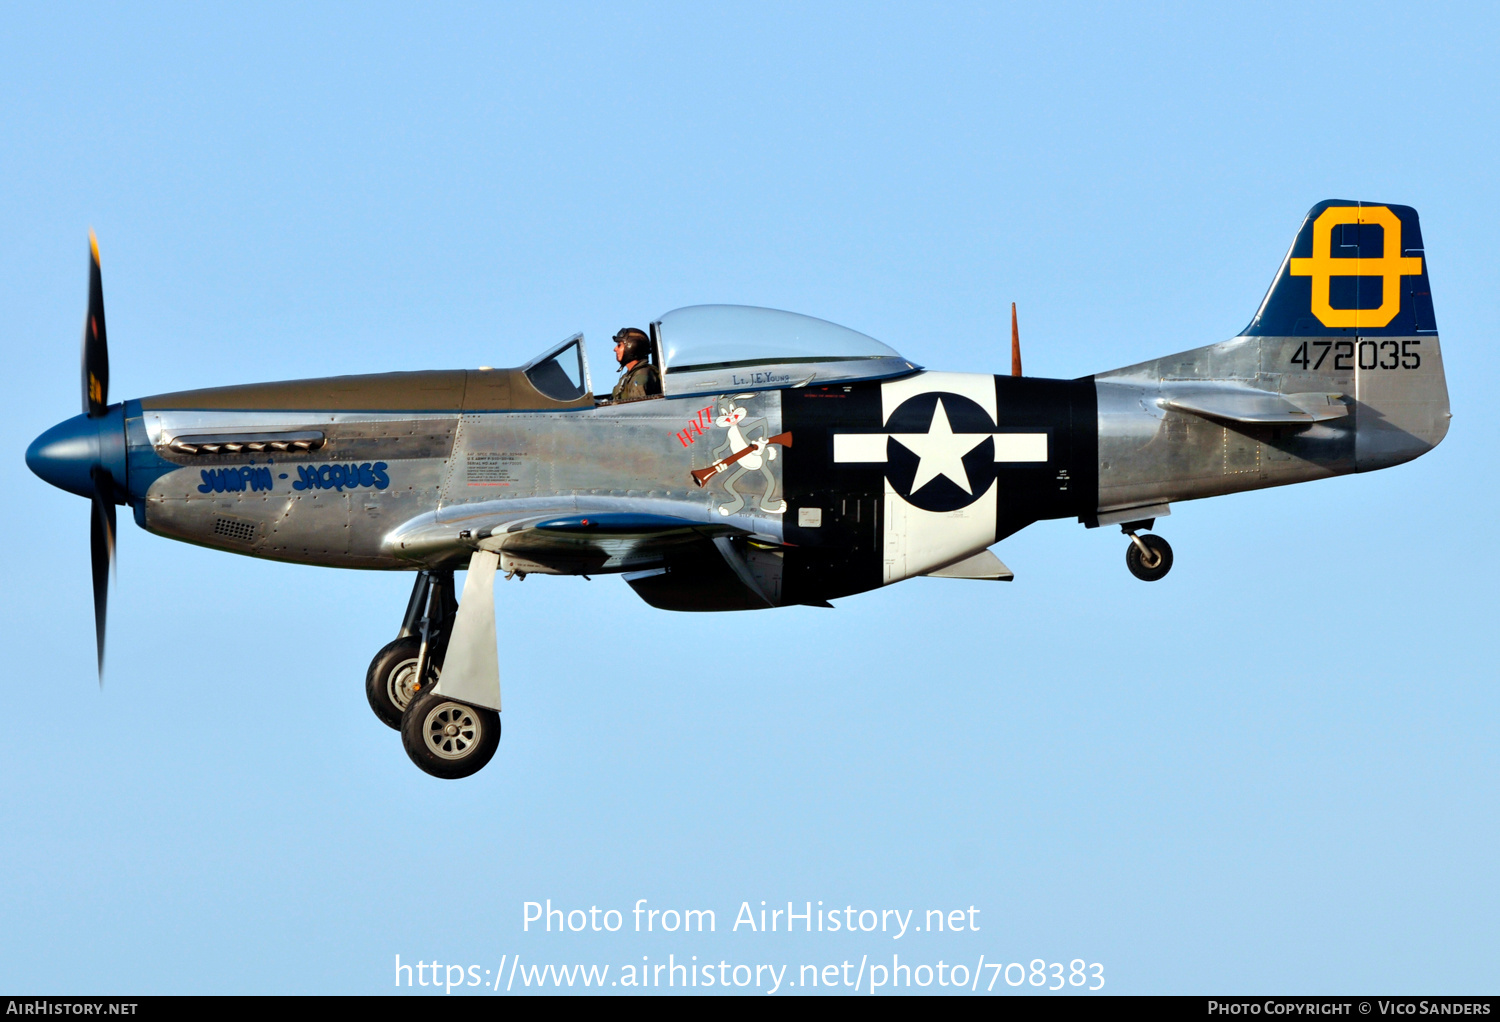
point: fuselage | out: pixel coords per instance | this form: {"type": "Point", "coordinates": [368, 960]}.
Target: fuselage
{"type": "Point", "coordinates": [390, 468]}
{"type": "Point", "coordinates": [882, 479]}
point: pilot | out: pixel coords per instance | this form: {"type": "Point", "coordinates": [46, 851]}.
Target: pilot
{"type": "Point", "coordinates": [639, 377]}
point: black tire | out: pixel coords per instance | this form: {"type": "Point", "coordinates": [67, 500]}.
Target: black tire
{"type": "Point", "coordinates": [388, 681]}
{"type": "Point", "coordinates": [1138, 564]}
{"type": "Point", "coordinates": [447, 738]}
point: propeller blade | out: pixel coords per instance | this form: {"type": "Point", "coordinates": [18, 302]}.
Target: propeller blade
{"type": "Point", "coordinates": [1015, 343]}
{"type": "Point", "coordinates": [102, 551]}
{"type": "Point", "coordinates": [95, 349]}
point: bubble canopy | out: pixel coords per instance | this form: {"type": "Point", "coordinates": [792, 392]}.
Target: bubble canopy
{"type": "Point", "coordinates": [707, 346]}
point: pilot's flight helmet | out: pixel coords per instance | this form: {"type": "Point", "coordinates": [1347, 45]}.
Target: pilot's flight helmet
{"type": "Point", "coordinates": [637, 344]}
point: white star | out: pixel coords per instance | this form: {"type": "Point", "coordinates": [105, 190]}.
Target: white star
{"type": "Point", "coordinates": [941, 450]}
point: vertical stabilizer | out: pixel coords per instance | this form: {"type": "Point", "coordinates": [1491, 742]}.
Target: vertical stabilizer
{"type": "Point", "coordinates": [1352, 307]}
{"type": "Point", "coordinates": [1339, 371]}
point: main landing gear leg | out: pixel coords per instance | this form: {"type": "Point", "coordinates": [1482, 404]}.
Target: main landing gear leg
{"type": "Point", "coordinates": [452, 729]}
{"type": "Point", "coordinates": [393, 676]}
{"type": "Point", "coordinates": [1148, 557]}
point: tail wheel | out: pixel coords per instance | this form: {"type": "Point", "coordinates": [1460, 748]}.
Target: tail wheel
{"type": "Point", "coordinates": [447, 738]}
{"type": "Point", "coordinates": [1148, 557]}
{"type": "Point", "coordinates": [390, 682]}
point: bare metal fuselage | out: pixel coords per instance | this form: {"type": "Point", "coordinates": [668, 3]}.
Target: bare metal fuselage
{"type": "Point", "coordinates": [443, 471]}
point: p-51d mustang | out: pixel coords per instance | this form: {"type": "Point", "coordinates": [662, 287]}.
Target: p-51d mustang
{"type": "Point", "coordinates": [788, 460]}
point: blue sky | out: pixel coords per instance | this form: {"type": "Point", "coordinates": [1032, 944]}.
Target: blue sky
{"type": "Point", "coordinates": [1274, 771]}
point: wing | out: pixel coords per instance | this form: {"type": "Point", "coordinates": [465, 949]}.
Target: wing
{"type": "Point", "coordinates": [556, 540]}
{"type": "Point", "coordinates": [671, 562]}
{"type": "Point", "coordinates": [581, 544]}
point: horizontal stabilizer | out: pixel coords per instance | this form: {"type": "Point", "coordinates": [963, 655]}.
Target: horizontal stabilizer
{"type": "Point", "coordinates": [983, 565]}
{"type": "Point", "coordinates": [1255, 407]}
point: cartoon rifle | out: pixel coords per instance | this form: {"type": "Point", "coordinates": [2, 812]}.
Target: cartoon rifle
{"type": "Point", "coordinates": [702, 475]}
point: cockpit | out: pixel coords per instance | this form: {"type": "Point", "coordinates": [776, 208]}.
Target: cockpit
{"type": "Point", "coordinates": [713, 348]}
{"type": "Point", "coordinates": [706, 349]}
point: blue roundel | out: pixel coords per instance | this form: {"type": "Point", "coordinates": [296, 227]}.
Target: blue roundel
{"type": "Point", "coordinates": [926, 420]}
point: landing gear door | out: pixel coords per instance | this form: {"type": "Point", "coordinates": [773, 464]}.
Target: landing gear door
{"type": "Point", "coordinates": [562, 373]}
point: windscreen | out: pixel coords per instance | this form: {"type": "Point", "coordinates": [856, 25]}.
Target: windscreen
{"type": "Point", "coordinates": [561, 376]}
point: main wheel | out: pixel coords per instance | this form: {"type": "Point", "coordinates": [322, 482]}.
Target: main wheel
{"type": "Point", "coordinates": [390, 681]}
{"type": "Point", "coordinates": [1153, 567]}
{"type": "Point", "coordinates": [447, 738]}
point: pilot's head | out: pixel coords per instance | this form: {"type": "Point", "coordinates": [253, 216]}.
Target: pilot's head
{"type": "Point", "coordinates": [631, 345]}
